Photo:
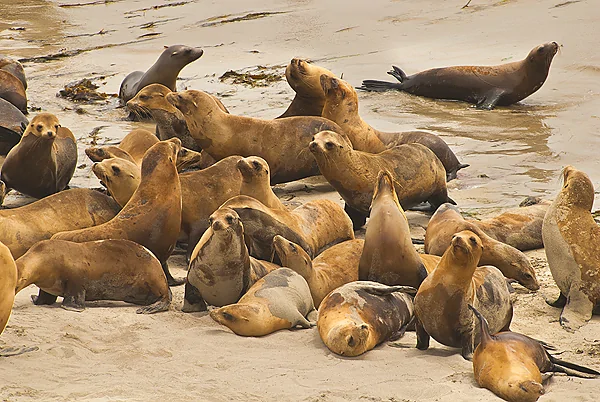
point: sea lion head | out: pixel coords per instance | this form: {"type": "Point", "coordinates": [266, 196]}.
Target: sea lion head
{"type": "Point", "coordinates": [466, 248]}
{"type": "Point", "coordinates": [161, 152]}
{"type": "Point", "coordinates": [577, 190]}
{"type": "Point", "coordinates": [304, 77]}
{"type": "Point", "coordinates": [192, 102]}
{"type": "Point", "coordinates": [543, 54]}
{"type": "Point", "coordinates": [121, 178]}
{"type": "Point", "coordinates": [239, 317]}
{"type": "Point", "coordinates": [328, 144]}
{"type": "Point", "coordinates": [385, 185]}
{"type": "Point", "coordinates": [98, 154]}
{"type": "Point", "coordinates": [187, 159]}
{"type": "Point", "coordinates": [43, 126]}
{"type": "Point", "coordinates": [339, 92]}
{"type": "Point", "coordinates": [349, 338]}
{"type": "Point", "coordinates": [150, 99]}
{"type": "Point", "coordinates": [226, 221]}
{"type": "Point", "coordinates": [181, 55]}
{"type": "Point", "coordinates": [253, 168]}
{"type": "Point", "coordinates": [526, 391]}
{"type": "Point", "coordinates": [292, 256]}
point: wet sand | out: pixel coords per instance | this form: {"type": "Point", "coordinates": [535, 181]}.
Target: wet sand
{"type": "Point", "coordinates": [109, 352]}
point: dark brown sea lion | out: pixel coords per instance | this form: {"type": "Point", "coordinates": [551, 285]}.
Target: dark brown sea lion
{"type": "Point", "coordinates": [341, 106]}
{"type": "Point", "coordinates": [441, 304]}
{"type": "Point", "coordinates": [152, 217]}
{"type": "Point", "coordinates": [447, 221]}
{"type": "Point", "coordinates": [418, 174]}
{"type": "Point", "coordinates": [12, 124]}
{"type": "Point", "coordinates": [13, 67]}
{"type": "Point", "coordinates": [255, 181]}
{"type": "Point", "coordinates": [571, 240]}
{"type": "Point", "coordinates": [164, 71]}
{"type": "Point", "coordinates": [485, 86]}
{"type": "Point", "coordinates": [44, 161]}
{"type": "Point", "coordinates": [283, 143]}
{"type": "Point", "coordinates": [96, 270]}
{"type": "Point", "coordinates": [12, 90]}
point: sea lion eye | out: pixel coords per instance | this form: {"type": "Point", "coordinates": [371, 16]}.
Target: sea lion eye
{"type": "Point", "coordinates": [228, 317]}
{"type": "Point", "coordinates": [143, 97]}
{"type": "Point", "coordinates": [39, 127]}
{"type": "Point", "coordinates": [116, 169]}
{"type": "Point", "coordinates": [256, 164]}
{"type": "Point", "coordinates": [188, 50]}
{"type": "Point", "coordinates": [56, 126]}
{"type": "Point", "coordinates": [473, 240]}
{"type": "Point", "coordinates": [229, 219]}
{"type": "Point", "coordinates": [329, 145]}
{"type": "Point", "coordinates": [527, 276]}
{"type": "Point", "coordinates": [211, 220]}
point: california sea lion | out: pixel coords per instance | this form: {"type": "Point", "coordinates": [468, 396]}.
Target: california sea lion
{"type": "Point", "coordinates": [8, 282]}
{"type": "Point", "coordinates": [279, 300]}
{"type": "Point", "coordinates": [304, 77]}
{"type": "Point", "coordinates": [485, 86]}
{"type": "Point", "coordinates": [120, 177]}
{"type": "Point", "coordinates": [571, 239]}
{"type": "Point", "coordinates": [341, 106]}
{"type": "Point", "coordinates": [221, 270]}
{"type": "Point", "coordinates": [152, 217]}
{"type": "Point", "coordinates": [96, 270]}
{"type": "Point", "coordinates": [43, 162]}
{"type": "Point", "coordinates": [12, 90]}
{"type": "Point", "coordinates": [389, 256]}
{"type": "Point", "coordinates": [441, 304]}
{"type": "Point", "coordinates": [281, 142]}
{"type": "Point", "coordinates": [358, 316]}
{"type": "Point", "coordinates": [418, 174]}
{"type": "Point", "coordinates": [13, 67]}
{"type": "Point", "coordinates": [331, 269]}
{"type": "Point", "coordinates": [447, 221]}
{"type": "Point", "coordinates": [510, 364]}
{"type": "Point", "coordinates": [12, 124]}
{"type": "Point", "coordinates": [164, 71]}
{"type": "Point", "coordinates": [255, 181]}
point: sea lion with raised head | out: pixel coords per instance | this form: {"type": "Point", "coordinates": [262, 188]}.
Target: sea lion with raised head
{"type": "Point", "coordinates": [120, 177]}
{"type": "Point", "coordinates": [255, 181]}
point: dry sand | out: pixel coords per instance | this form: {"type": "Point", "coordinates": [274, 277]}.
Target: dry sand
{"type": "Point", "coordinates": [109, 353]}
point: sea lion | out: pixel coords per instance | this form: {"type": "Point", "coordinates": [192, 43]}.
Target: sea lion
{"type": "Point", "coordinates": [8, 281]}
{"type": "Point", "coordinates": [13, 67]}
{"type": "Point", "coordinates": [164, 71]}
{"type": "Point", "coordinates": [304, 77]}
{"type": "Point", "coordinates": [12, 125]}
{"type": "Point", "coordinates": [485, 86]}
{"type": "Point", "coordinates": [331, 269]}
{"type": "Point", "coordinates": [152, 217]}
{"type": "Point", "coordinates": [358, 316]}
{"type": "Point", "coordinates": [217, 277]}
{"type": "Point", "coordinates": [280, 300]}
{"type": "Point", "coordinates": [447, 221]}
{"type": "Point", "coordinates": [441, 303]}
{"type": "Point", "coordinates": [418, 174]}
{"type": "Point", "coordinates": [314, 226]}
{"type": "Point", "coordinates": [43, 162]}
{"type": "Point", "coordinates": [510, 364]}
{"type": "Point", "coordinates": [120, 177]}
{"type": "Point", "coordinates": [137, 142]}
{"type": "Point", "coordinates": [12, 90]}
{"type": "Point", "coordinates": [255, 181]}
{"type": "Point", "coordinates": [389, 256]}
{"type": "Point", "coordinates": [341, 106]}
{"type": "Point", "coordinates": [571, 239]}
{"type": "Point", "coordinates": [96, 270]}
{"type": "Point", "coordinates": [281, 142]}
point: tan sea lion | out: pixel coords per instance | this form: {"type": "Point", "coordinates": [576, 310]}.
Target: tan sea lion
{"type": "Point", "coordinates": [341, 106]}
{"type": "Point", "coordinates": [43, 162]}
{"type": "Point", "coordinates": [152, 217]}
{"type": "Point", "coordinates": [8, 282]}
{"type": "Point", "coordinates": [12, 90]}
{"type": "Point", "coordinates": [418, 174]}
{"type": "Point", "coordinates": [389, 256]}
{"type": "Point", "coordinates": [13, 67]}
{"type": "Point", "coordinates": [510, 364]}
{"type": "Point", "coordinates": [98, 270]}
{"type": "Point", "coordinates": [120, 177]}
{"type": "Point", "coordinates": [447, 221]}
{"type": "Point", "coordinates": [255, 181]}
{"type": "Point", "coordinates": [280, 300]}
{"type": "Point", "coordinates": [137, 142]}
{"type": "Point", "coordinates": [281, 142]}
{"type": "Point", "coordinates": [441, 303]}
{"type": "Point", "coordinates": [331, 269]}
{"type": "Point", "coordinates": [221, 270]}
{"type": "Point", "coordinates": [358, 316]}
{"type": "Point", "coordinates": [304, 78]}
{"type": "Point", "coordinates": [571, 239]}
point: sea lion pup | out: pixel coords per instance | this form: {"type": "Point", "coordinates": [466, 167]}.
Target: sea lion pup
{"type": "Point", "coordinates": [314, 226]}
{"type": "Point", "coordinates": [280, 300]}
{"type": "Point", "coordinates": [447, 221]}
{"type": "Point", "coordinates": [12, 90]}
{"type": "Point", "coordinates": [304, 78]}
{"type": "Point", "coordinates": [417, 173]}
{"type": "Point", "coordinates": [571, 239]}
{"type": "Point", "coordinates": [281, 142]}
{"type": "Point", "coordinates": [255, 181]}
{"type": "Point", "coordinates": [97, 270]}
{"type": "Point", "coordinates": [220, 278]}
{"type": "Point", "coordinates": [331, 269]}
{"type": "Point", "coordinates": [12, 123]}
{"type": "Point", "coordinates": [341, 106]}
{"type": "Point", "coordinates": [442, 299]}
{"type": "Point", "coordinates": [8, 282]}
{"type": "Point", "coordinates": [358, 316]}
{"type": "Point", "coordinates": [389, 256]}
{"type": "Point", "coordinates": [120, 177]}
{"type": "Point", "coordinates": [485, 86]}
{"type": "Point", "coordinates": [164, 71]}
{"type": "Point", "coordinates": [152, 217]}
{"type": "Point", "coordinates": [510, 364]}
{"type": "Point", "coordinates": [43, 162]}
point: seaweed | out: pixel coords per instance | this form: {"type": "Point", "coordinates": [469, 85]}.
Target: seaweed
{"type": "Point", "coordinates": [259, 76]}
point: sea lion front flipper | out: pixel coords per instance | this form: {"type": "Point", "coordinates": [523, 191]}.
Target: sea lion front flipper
{"type": "Point", "coordinates": [43, 298]}
{"type": "Point", "coordinates": [312, 317]}
{"type": "Point", "coordinates": [400, 333]}
{"type": "Point", "coordinates": [15, 351]}
{"type": "Point", "coordinates": [397, 73]}
{"type": "Point", "coordinates": [490, 99]}
{"type": "Point", "coordinates": [170, 280]}
{"type": "Point", "coordinates": [193, 300]}
{"type": "Point", "coordinates": [422, 336]}
{"type": "Point", "coordinates": [560, 302]}
{"type": "Point", "coordinates": [358, 218]}
{"type": "Point", "coordinates": [74, 300]}
{"type": "Point", "coordinates": [160, 305]}
{"type": "Point", "coordinates": [303, 322]}
{"type": "Point", "coordinates": [578, 309]}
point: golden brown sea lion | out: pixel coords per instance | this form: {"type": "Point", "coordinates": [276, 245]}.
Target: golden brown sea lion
{"type": "Point", "coordinates": [441, 304]}
{"type": "Point", "coordinates": [152, 217]}
{"type": "Point", "coordinates": [358, 316]}
{"type": "Point", "coordinates": [485, 86]}
{"type": "Point", "coordinates": [12, 90]}
{"type": "Point", "coordinates": [331, 269]}
{"type": "Point", "coordinates": [13, 67]}
{"type": "Point", "coordinates": [418, 174]}
{"type": "Point", "coordinates": [221, 270]}
{"type": "Point", "coordinates": [8, 282]}
{"type": "Point", "coordinates": [281, 142]}
{"type": "Point", "coordinates": [120, 177]}
{"type": "Point", "coordinates": [280, 300]}
{"type": "Point", "coordinates": [255, 181]}
{"type": "Point", "coordinates": [96, 270]}
{"type": "Point", "coordinates": [43, 162]}
{"type": "Point", "coordinates": [447, 221]}
{"type": "Point", "coordinates": [571, 240]}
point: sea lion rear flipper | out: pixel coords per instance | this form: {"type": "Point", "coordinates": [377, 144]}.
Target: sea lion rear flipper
{"type": "Point", "coordinates": [358, 218]}
{"type": "Point", "coordinates": [303, 322]}
{"type": "Point", "coordinates": [400, 333]}
{"type": "Point", "coordinates": [43, 298]}
{"type": "Point", "coordinates": [312, 317]}
{"type": "Point", "coordinates": [422, 336]}
{"type": "Point", "coordinates": [15, 351]}
{"type": "Point", "coordinates": [193, 300]}
{"type": "Point", "coordinates": [74, 299]}
{"type": "Point", "coordinates": [379, 86]}
{"type": "Point", "coordinates": [578, 309]}
{"type": "Point", "coordinates": [560, 302]}
{"type": "Point", "coordinates": [384, 290]}
{"type": "Point", "coordinates": [572, 369]}
{"type": "Point", "coordinates": [397, 73]}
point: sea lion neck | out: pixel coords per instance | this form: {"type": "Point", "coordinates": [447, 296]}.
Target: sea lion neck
{"type": "Point", "coordinates": [462, 267]}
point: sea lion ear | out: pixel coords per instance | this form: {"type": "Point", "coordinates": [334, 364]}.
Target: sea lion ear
{"type": "Point", "coordinates": [166, 47]}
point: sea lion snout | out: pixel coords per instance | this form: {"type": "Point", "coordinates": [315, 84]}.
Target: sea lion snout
{"type": "Point", "coordinates": [224, 218]}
